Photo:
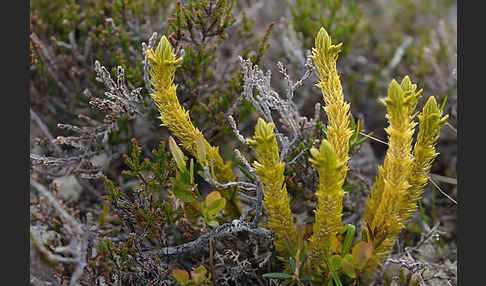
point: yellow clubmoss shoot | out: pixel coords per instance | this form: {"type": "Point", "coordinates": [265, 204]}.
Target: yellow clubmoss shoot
{"type": "Point", "coordinates": [332, 158]}
{"type": "Point", "coordinates": [382, 214]}
{"type": "Point", "coordinates": [270, 171]}
{"type": "Point", "coordinates": [330, 194]}
{"type": "Point", "coordinates": [325, 56]}
{"type": "Point", "coordinates": [430, 123]}
{"type": "Point", "coordinates": [172, 114]}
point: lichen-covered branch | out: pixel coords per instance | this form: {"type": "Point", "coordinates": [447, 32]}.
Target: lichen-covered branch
{"type": "Point", "coordinates": [219, 232]}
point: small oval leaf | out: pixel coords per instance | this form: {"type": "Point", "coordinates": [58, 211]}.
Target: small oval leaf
{"type": "Point", "coordinates": [181, 276]}
{"type": "Point", "coordinates": [199, 275]}
{"type": "Point", "coordinates": [212, 223]}
{"type": "Point", "coordinates": [362, 252]}
{"type": "Point", "coordinates": [214, 203]}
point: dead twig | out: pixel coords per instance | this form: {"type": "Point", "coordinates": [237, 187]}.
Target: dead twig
{"type": "Point", "coordinates": [211, 264]}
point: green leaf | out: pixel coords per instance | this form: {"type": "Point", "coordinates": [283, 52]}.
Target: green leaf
{"type": "Point", "coordinates": [359, 126]}
{"type": "Point", "coordinates": [191, 172]}
{"type": "Point", "coordinates": [201, 152]}
{"type": "Point", "coordinates": [334, 265]}
{"type": "Point", "coordinates": [245, 172]}
{"type": "Point", "coordinates": [213, 197]}
{"type": "Point", "coordinates": [309, 220]}
{"type": "Point", "coordinates": [181, 276]}
{"type": "Point", "coordinates": [211, 222]}
{"type": "Point", "coordinates": [292, 263]}
{"type": "Point", "coordinates": [182, 191]}
{"type": "Point", "coordinates": [348, 267]}
{"type": "Point", "coordinates": [364, 235]}
{"type": "Point", "coordinates": [199, 275]}
{"type": "Point", "coordinates": [306, 278]}
{"type": "Point", "coordinates": [213, 203]}
{"type": "Point", "coordinates": [335, 262]}
{"type": "Point", "coordinates": [360, 141]}
{"type": "Point", "coordinates": [362, 252]}
{"type": "Point", "coordinates": [348, 187]}
{"type": "Point", "coordinates": [336, 279]}
{"type": "Point", "coordinates": [303, 260]}
{"type": "Point", "coordinates": [348, 239]}
{"type": "Point", "coordinates": [276, 275]}
{"type": "Point", "coordinates": [402, 277]}
{"type": "Point", "coordinates": [352, 122]}
{"type": "Point", "coordinates": [177, 154]}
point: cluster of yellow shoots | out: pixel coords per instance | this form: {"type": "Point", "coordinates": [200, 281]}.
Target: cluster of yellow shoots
{"type": "Point", "coordinates": [396, 189]}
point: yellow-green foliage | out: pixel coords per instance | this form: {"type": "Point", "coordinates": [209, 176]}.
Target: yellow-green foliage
{"type": "Point", "coordinates": [398, 186]}
{"type": "Point", "coordinates": [331, 161]}
{"type": "Point", "coordinates": [430, 123]}
{"type": "Point", "coordinates": [330, 194]}
{"type": "Point", "coordinates": [384, 209]}
{"type": "Point", "coordinates": [172, 114]}
{"type": "Point", "coordinates": [338, 132]}
{"type": "Point", "coordinates": [270, 170]}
